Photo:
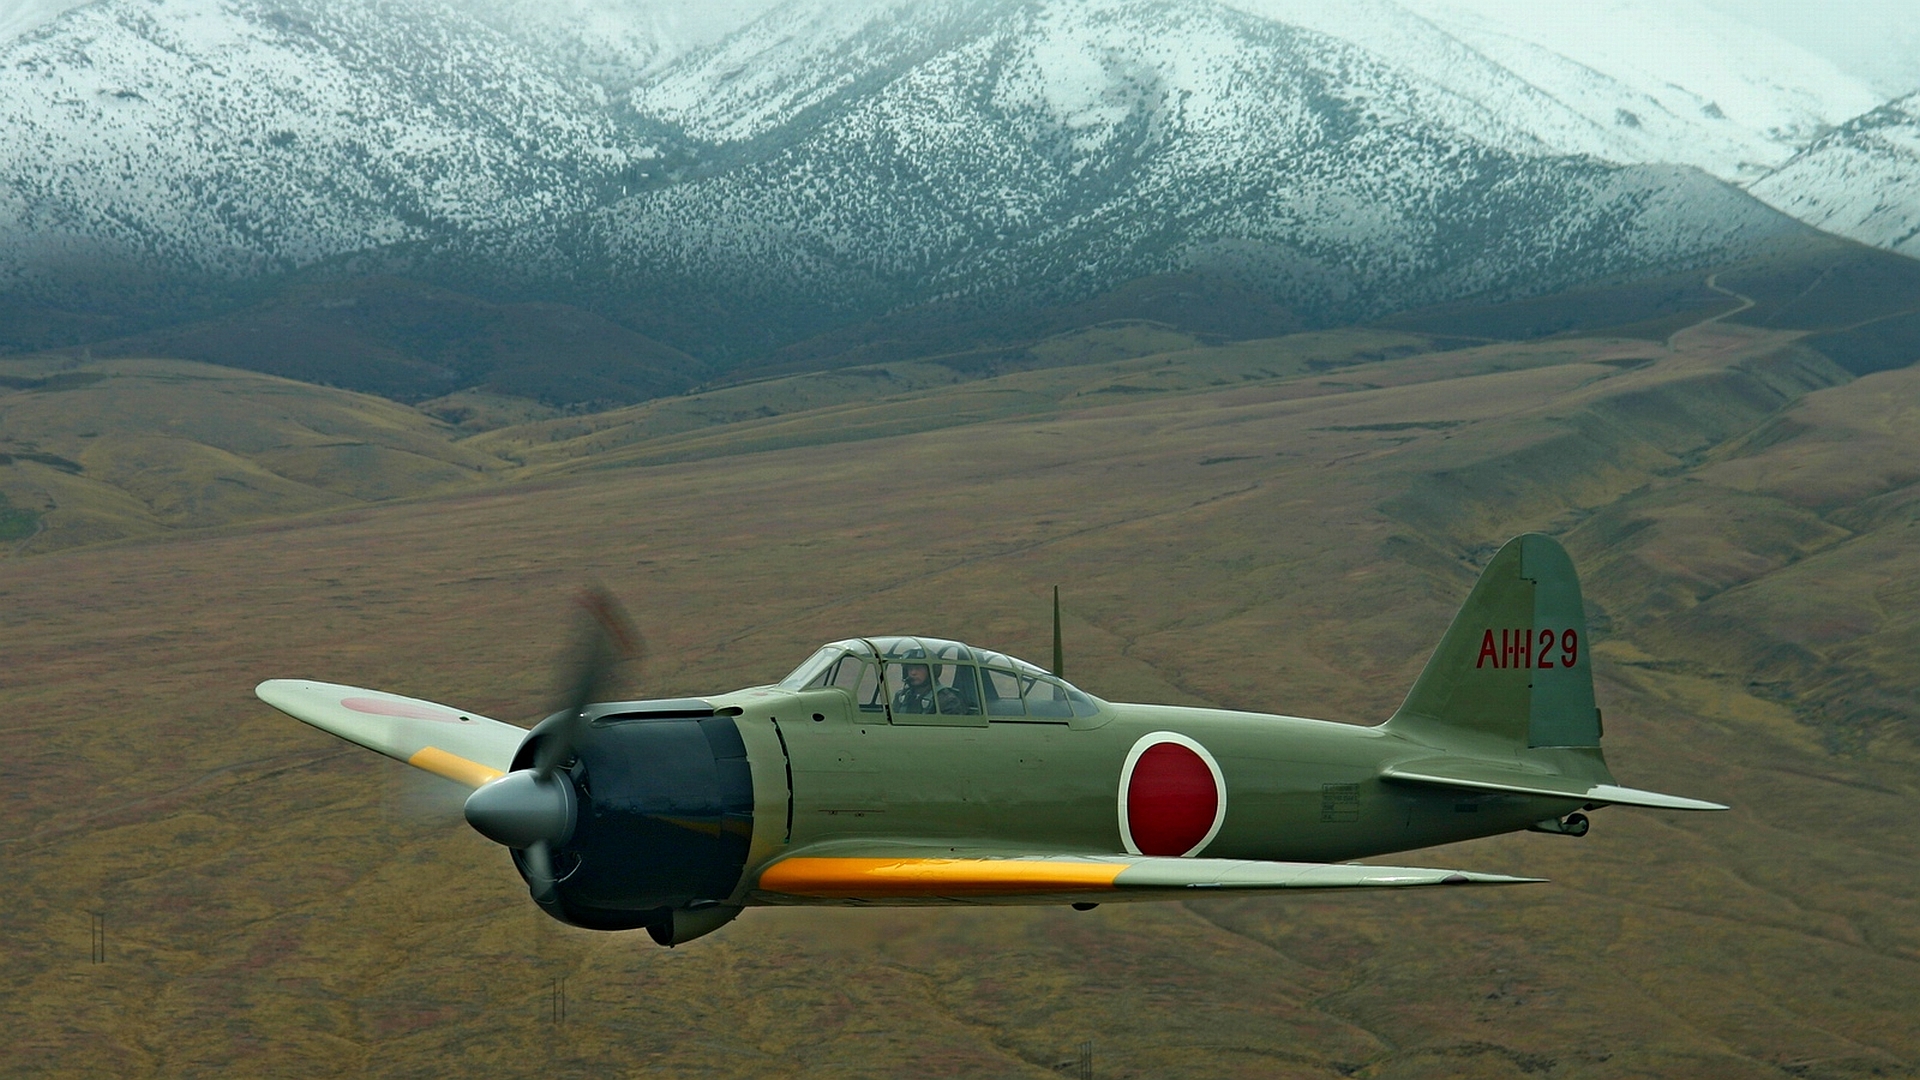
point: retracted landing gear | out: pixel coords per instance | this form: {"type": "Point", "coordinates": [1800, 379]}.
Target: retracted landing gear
{"type": "Point", "coordinates": [1571, 825]}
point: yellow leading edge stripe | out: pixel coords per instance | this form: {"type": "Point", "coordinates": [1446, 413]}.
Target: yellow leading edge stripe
{"type": "Point", "coordinates": [453, 767]}
{"type": "Point", "coordinates": [934, 877]}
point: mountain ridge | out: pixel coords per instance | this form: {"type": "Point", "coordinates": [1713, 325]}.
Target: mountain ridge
{"type": "Point", "coordinates": [1007, 154]}
{"type": "Point", "coordinates": [1860, 180]}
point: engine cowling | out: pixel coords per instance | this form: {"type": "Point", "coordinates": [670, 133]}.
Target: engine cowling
{"type": "Point", "coordinates": [663, 819]}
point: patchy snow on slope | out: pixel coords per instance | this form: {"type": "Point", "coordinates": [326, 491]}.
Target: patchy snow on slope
{"type": "Point", "coordinates": [616, 42]}
{"type": "Point", "coordinates": [220, 138]}
{"type": "Point", "coordinates": [797, 59]}
{"type": "Point", "coordinates": [1861, 180]}
{"type": "Point", "coordinates": [1623, 80]}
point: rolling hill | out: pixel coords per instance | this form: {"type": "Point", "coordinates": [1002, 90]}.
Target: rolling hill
{"type": "Point", "coordinates": [411, 342]}
{"type": "Point", "coordinates": [111, 449]}
{"type": "Point", "coordinates": [85, 463]}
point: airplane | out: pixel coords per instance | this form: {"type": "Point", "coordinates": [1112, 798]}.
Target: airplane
{"type": "Point", "coordinates": [917, 770]}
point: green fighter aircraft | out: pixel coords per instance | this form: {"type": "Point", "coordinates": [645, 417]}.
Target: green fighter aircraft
{"type": "Point", "coordinates": [916, 770]}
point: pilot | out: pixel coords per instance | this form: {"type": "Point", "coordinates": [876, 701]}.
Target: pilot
{"type": "Point", "coordinates": [921, 694]}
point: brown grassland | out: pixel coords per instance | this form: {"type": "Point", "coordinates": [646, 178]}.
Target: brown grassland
{"type": "Point", "coordinates": [1284, 525]}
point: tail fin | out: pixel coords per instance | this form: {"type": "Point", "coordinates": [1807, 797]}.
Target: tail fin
{"type": "Point", "coordinates": [1514, 665]}
{"type": "Point", "coordinates": [1508, 696]}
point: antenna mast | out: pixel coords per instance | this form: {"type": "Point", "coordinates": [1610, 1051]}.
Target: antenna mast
{"type": "Point", "coordinates": [1059, 661]}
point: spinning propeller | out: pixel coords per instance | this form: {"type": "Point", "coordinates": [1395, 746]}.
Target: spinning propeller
{"type": "Point", "coordinates": [533, 810]}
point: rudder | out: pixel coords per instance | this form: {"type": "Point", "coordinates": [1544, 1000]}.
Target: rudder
{"type": "Point", "coordinates": [1514, 664]}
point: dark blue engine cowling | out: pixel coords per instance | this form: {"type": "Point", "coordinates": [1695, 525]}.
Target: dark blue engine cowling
{"type": "Point", "coordinates": [665, 814]}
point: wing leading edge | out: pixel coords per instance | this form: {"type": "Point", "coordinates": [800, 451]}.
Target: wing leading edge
{"type": "Point", "coordinates": [1040, 878]}
{"type": "Point", "coordinates": [462, 746]}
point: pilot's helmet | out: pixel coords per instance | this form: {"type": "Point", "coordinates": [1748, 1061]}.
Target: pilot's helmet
{"type": "Point", "coordinates": [915, 656]}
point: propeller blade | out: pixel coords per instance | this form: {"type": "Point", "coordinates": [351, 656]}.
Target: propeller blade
{"type": "Point", "coordinates": [532, 810]}
{"type": "Point", "coordinates": [604, 639]}
{"type": "Point", "coordinates": [539, 873]}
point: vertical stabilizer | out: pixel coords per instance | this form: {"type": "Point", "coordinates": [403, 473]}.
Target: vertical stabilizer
{"type": "Point", "coordinates": [1514, 666]}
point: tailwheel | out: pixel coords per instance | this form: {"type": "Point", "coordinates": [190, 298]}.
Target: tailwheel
{"type": "Point", "coordinates": [1571, 825]}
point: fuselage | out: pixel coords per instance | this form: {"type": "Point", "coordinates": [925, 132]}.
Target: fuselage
{"type": "Point", "coordinates": [828, 774]}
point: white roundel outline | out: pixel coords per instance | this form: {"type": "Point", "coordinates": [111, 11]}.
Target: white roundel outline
{"type": "Point", "coordinates": [1148, 742]}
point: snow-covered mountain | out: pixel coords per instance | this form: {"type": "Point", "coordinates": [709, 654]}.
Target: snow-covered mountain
{"type": "Point", "coordinates": [216, 138]}
{"type": "Point", "coordinates": [615, 42]}
{"type": "Point", "coordinates": [1042, 149]}
{"type": "Point", "coordinates": [833, 160]}
{"type": "Point", "coordinates": [1626, 81]}
{"type": "Point", "coordinates": [1623, 80]}
{"type": "Point", "coordinates": [1861, 180]}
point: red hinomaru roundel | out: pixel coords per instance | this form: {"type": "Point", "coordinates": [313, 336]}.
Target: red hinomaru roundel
{"type": "Point", "coordinates": [1172, 796]}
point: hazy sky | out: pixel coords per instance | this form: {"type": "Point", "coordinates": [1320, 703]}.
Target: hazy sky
{"type": "Point", "coordinates": [1876, 40]}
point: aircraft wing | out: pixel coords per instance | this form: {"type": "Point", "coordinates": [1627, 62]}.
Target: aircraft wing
{"type": "Point", "coordinates": [461, 746]}
{"type": "Point", "coordinates": [900, 877]}
{"type": "Point", "coordinates": [1489, 776]}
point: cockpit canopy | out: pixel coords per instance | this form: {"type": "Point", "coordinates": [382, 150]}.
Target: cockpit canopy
{"type": "Point", "coordinates": [951, 679]}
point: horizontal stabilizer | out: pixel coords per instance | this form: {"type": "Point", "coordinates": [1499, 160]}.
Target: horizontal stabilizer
{"type": "Point", "coordinates": [1480, 775]}
{"type": "Point", "coordinates": [461, 746]}
{"type": "Point", "coordinates": [1113, 877]}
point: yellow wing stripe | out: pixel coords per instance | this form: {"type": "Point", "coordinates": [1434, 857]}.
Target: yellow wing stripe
{"type": "Point", "coordinates": [828, 877]}
{"type": "Point", "coordinates": [453, 767]}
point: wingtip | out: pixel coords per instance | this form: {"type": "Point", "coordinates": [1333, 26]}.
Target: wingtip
{"type": "Point", "coordinates": [268, 690]}
{"type": "Point", "coordinates": [1463, 878]}
{"type": "Point", "coordinates": [1681, 802]}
